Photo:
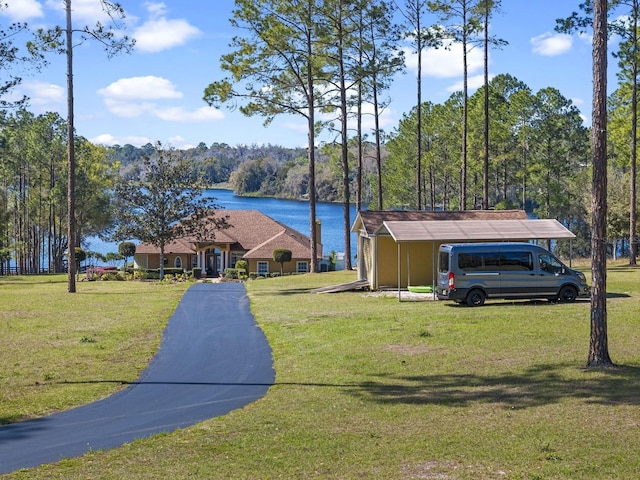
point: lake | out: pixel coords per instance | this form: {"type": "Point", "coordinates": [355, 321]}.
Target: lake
{"type": "Point", "coordinates": [294, 214]}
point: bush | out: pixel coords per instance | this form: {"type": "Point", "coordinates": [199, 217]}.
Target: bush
{"type": "Point", "coordinates": [231, 273]}
{"type": "Point", "coordinates": [197, 272]}
{"type": "Point", "coordinates": [106, 277]}
{"type": "Point", "coordinates": [140, 274]}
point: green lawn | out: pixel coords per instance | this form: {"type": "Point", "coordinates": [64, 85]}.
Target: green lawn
{"type": "Point", "coordinates": [366, 386]}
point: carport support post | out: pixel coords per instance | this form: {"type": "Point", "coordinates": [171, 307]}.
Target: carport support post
{"type": "Point", "coordinates": [408, 265]}
{"type": "Point", "coordinates": [399, 271]}
{"type": "Point", "coordinates": [433, 268]}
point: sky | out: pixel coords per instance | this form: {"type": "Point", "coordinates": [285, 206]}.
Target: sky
{"type": "Point", "coordinates": [155, 93]}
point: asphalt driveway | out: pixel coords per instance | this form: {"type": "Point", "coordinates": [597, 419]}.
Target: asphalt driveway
{"type": "Point", "coordinates": [213, 359]}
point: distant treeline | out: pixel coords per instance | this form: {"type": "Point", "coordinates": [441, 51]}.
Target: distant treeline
{"type": "Point", "coordinates": [253, 170]}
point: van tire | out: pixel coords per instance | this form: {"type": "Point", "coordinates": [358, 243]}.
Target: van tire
{"type": "Point", "coordinates": [568, 294]}
{"type": "Point", "coordinates": [475, 298]}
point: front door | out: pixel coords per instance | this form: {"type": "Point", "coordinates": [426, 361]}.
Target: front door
{"type": "Point", "coordinates": [212, 265]}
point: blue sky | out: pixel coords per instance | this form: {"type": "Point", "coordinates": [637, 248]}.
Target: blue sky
{"type": "Point", "coordinates": [155, 93]}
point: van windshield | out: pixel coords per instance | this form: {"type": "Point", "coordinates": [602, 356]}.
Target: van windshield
{"type": "Point", "coordinates": [550, 264]}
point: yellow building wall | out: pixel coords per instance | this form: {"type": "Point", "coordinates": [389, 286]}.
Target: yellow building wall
{"type": "Point", "coordinates": [417, 263]}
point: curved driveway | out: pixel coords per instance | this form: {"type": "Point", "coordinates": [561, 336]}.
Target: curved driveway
{"type": "Point", "coordinates": [213, 359]}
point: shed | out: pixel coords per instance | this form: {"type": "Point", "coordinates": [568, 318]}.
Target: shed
{"type": "Point", "coordinates": [397, 249]}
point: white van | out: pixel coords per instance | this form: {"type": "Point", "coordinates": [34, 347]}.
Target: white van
{"type": "Point", "coordinates": [472, 272]}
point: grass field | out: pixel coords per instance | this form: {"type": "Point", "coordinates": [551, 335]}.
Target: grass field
{"type": "Point", "coordinates": [366, 386]}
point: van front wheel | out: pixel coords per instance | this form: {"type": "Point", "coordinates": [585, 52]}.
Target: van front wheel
{"type": "Point", "coordinates": [475, 298]}
{"type": "Point", "coordinates": [567, 294]}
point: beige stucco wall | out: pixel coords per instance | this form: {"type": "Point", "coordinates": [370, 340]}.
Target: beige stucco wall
{"type": "Point", "coordinates": [274, 267]}
{"type": "Point", "coordinates": [153, 261]}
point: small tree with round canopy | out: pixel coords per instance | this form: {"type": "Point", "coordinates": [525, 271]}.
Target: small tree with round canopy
{"type": "Point", "coordinates": [281, 255]}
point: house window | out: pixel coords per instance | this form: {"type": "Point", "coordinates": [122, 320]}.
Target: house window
{"type": "Point", "coordinates": [302, 267]}
{"type": "Point", "coordinates": [263, 268]}
{"type": "Point", "coordinates": [177, 262]}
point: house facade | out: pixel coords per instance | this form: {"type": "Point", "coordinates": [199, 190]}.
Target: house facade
{"type": "Point", "coordinates": [251, 236]}
{"type": "Point", "coordinates": [397, 249]}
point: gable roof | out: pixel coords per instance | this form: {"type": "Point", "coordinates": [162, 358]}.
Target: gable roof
{"type": "Point", "coordinates": [249, 230]}
{"type": "Point", "coordinates": [298, 245]}
{"type": "Point", "coordinates": [372, 220]}
{"type": "Point", "coordinates": [179, 246]}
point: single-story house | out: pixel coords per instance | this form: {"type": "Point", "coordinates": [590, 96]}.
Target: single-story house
{"type": "Point", "coordinates": [251, 236]}
{"type": "Point", "coordinates": [397, 249]}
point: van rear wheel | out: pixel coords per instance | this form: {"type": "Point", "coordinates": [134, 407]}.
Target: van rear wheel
{"type": "Point", "coordinates": [475, 298]}
{"type": "Point", "coordinates": [567, 294]}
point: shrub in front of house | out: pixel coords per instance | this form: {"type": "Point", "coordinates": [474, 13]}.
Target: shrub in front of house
{"type": "Point", "coordinates": [197, 272]}
{"type": "Point", "coordinates": [111, 276]}
{"type": "Point", "coordinates": [231, 273]}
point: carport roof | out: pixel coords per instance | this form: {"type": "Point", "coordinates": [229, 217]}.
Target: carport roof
{"type": "Point", "coordinates": [475, 230]}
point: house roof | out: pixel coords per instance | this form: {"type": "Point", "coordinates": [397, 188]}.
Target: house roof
{"type": "Point", "coordinates": [180, 246]}
{"type": "Point", "coordinates": [298, 245]}
{"type": "Point", "coordinates": [475, 230]}
{"type": "Point", "coordinates": [372, 220]}
{"type": "Point", "coordinates": [249, 230]}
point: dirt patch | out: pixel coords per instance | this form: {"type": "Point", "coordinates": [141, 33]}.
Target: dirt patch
{"type": "Point", "coordinates": [431, 470]}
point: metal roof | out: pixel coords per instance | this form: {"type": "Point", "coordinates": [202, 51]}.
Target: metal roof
{"type": "Point", "coordinates": [476, 230]}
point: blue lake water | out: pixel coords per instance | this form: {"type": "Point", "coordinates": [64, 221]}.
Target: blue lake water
{"type": "Point", "coordinates": [292, 213]}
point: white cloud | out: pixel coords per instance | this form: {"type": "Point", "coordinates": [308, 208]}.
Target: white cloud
{"type": "Point", "coordinates": [140, 88]}
{"type": "Point", "coordinates": [179, 114]}
{"type": "Point", "coordinates": [137, 96]}
{"type": "Point", "coordinates": [445, 62]}
{"type": "Point", "coordinates": [109, 140]}
{"type": "Point", "coordinates": [473, 83]}
{"type": "Point", "coordinates": [160, 33]}
{"type": "Point", "coordinates": [87, 12]}
{"type": "Point", "coordinates": [180, 143]}
{"type": "Point", "coordinates": [43, 96]}
{"type": "Point", "coordinates": [156, 9]}
{"type": "Point", "coordinates": [23, 10]}
{"type": "Point", "coordinates": [128, 109]}
{"type": "Point", "coordinates": [550, 45]}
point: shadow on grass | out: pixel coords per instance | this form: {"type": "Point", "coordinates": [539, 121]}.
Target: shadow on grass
{"type": "Point", "coordinates": [617, 295]}
{"type": "Point", "coordinates": [539, 385]}
{"type": "Point", "coordinates": [491, 302]}
{"type": "Point", "coordinates": [284, 292]}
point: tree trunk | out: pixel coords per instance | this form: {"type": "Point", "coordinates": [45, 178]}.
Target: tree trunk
{"type": "Point", "coordinates": [598, 346]}
{"type": "Point", "coordinates": [485, 166]}
{"type": "Point", "coordinates": [419, 128]}
{"type": "Point", "coordinates": [311, 149]}
{"type": "Point", "coordinates": [633, 241]}
{"type": "Point", "coordinates": [71, 187]}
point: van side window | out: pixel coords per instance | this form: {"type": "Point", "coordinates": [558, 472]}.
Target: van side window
{"type": "Point", "coordinates": [517, 261]}
{"type": "Point", "coordinates": [485, 262]}
{"type": "Point", "coordinates": [478, 262]}
{"type": "Point", "coordinates": [470, 262]}
{"type": "Point", "coordinates": [550, 264]}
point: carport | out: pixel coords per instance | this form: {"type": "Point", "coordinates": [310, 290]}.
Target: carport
{"type": "Point", "coordinates": [456, 231]}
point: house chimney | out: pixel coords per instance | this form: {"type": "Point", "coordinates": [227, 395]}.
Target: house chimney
{"type": "Point", "coordinates": [318, 231]}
